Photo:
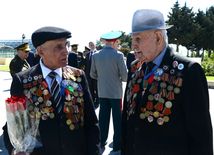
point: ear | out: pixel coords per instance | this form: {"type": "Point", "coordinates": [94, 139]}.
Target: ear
{"type": "Point", "coordinates": [40, 51]}
{"type": "Point", "coordinates": [159, 37]}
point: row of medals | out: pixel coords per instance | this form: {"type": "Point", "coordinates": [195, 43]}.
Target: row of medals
{"type": "Point", "coordinates": [36, 90]}
{"type": "Point", "coordinates": [145, 113]}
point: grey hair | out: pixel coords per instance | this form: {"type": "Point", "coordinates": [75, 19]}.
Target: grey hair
{"type": "Point", "coordinates": [164, 33]}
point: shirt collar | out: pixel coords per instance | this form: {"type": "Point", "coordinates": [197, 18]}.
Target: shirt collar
{"type": "Point", "coordinates": [46, 71]}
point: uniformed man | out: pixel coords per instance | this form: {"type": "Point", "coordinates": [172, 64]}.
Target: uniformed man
{"type": "Point", "coordinates": [83, 62]}
{"type": "Point", "coordinates": [19, 63]}
{"type": "Point", "coordinates": [166, 103]}
{"type": "Point", "coordinates": [109, 69]}
{"type": "Point", "coordinates": [74, 48]}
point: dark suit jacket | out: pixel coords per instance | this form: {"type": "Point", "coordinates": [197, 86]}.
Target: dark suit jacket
{"type": "Point", "coordinates": [57, 138]}
{"type": "Point", "coordinates": [30, 58]}
{"type": "Point", "coordinates": [189, 129]}
{"type": "Point", "coordinates": [129, 59]}
{"type": "Point", "coordinates": [73, 59]}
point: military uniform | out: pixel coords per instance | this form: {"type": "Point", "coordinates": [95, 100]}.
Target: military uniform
{"type": "Point", "coordinates": [83, 62]}
{"type": "Point", "coordinates": [18, 64]}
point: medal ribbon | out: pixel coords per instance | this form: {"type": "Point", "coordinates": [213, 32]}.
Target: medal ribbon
{"type": "Point", "coordinates": [149, 105]}
{"type": "Point", "coordinates": [171, 96]}
{"type": "Point", "coordinates": [179, 82]}
{"type": "Point", "coordinates": [163, 92]}
{"type": "Point", "coordinates": [159, 106]}
{"type": "Point", "coordinates": [172, 80]}
{"type": "Point", "coordinates": [167, 111]}
{"type": "Point", "coordinates": [165, 77]}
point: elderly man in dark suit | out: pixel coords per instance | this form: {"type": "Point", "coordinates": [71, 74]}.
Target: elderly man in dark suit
{"type": "Point", "coordinates": [166, 103]}
{"type": "Point", "coordinates": [70, 126]}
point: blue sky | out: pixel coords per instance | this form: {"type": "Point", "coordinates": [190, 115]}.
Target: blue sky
{"type": "Point", "coordinates": [87, 20]}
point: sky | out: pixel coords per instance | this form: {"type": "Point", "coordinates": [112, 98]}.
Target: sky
{"type": "Point", "coordinates": [86, 19]}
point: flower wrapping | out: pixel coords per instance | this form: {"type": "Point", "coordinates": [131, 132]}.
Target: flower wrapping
{"type": "Point", "coordinates": [22, 125]}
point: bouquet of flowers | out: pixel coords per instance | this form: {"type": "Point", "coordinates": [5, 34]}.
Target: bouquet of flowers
{"type": "Point", "coordinates": [22, 125]}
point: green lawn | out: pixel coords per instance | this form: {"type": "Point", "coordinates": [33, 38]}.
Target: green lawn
{"type": "Point", "coordinates": [5, 68]}
{"type": "Point", "coordinates": [211, 78]}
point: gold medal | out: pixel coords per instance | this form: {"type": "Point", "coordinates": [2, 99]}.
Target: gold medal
{"type": "Point", "coordinates": [147, 113]}
{"type": "Point", "coordinates": [30, 107]}
{"type": "Point", "coordinates": [76, 93]}
{"type": "Point", "coordinates": [52, 115]}
{"type": "Point", "coordinates": [170, 88]}
{"type": "Point", "coordinates": [68, 122]}
{"type": "Point", "coordinates": [71, 127]}
{"type": "Point", "coordinates": [156, 114]}
{"type": "Point", "coordinates": [161, 100]}
{"type": "Point", "coordinates": [78, 99]}
{"type": "Point", "coordinates": [79, 79]}
{"type": "Point", "coordinates": [46, 110]}
{"type": "Point", "coordinates": [81, 94]}
{"type": "Point", "coordinates": [177, 90]}
{"type": "Point", "coordinates": [40, 99]}
{"type": "Point", "coordinates": [142, 116]}
{"type": "Point", "coordinates": [150, 97]}
{"type": "Point", "coordinates": [163, 85]}
{"type": "Point", "coordinates": [166, 119]}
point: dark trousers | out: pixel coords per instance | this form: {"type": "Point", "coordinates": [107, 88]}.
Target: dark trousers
{"type": "Point", "coordinates": [92, 83]}
{"type": "Point", "coordinates": [104, 118]}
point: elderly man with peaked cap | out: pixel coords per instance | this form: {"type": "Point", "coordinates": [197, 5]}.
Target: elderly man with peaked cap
{"type": "Point", "coordinates": [70, 125]}
{"type": "Point", "coordinates": [108, 67]}
{"type": "Point", "coordinates": [19, 63]}
{"type": "Point", "coordinates": [166, 102]}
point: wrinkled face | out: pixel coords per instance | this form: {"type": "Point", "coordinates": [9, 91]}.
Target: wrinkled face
{"type": "Point", "coordinates": [92, 46]}
{"type": "Point", "coordinates": [145, 45]}
{"type": "Point", "coordinates": [23, 54]}
{"type": "Point", "coordinates": [54, 53]}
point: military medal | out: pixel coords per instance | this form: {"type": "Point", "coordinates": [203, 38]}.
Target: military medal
{"type": "Point", "coordinates": [160, 121]}
{"type": "Point", "coordinates": [150, 119]}
{"type": "Point", "coordinates": [142, 116]}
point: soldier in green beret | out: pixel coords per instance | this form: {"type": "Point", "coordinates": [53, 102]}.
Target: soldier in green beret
{"type": "Point", "coordinates": [19, 62]}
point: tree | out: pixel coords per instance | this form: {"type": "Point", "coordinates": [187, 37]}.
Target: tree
{"type": "Point", "coordinates": [174, 19]}
{"type": "Point", "coordinates": [126, 39]}
{"type": "Point", "coordinates": [99, 45]}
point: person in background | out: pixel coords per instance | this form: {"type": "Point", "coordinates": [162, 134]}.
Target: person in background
{"type": "Point", "coordinates": [74, 48]}
{"type": "Point", "coordinates": [30, 58]}
{"type": "Point", "coordinates": [70, 125]}
{"type": "Point", "coordinates": [19, 63]}
{"type": "Point", "coordinates": [83, 62]}
{"type": "Point", "coordinates": [72, 57]}
{"type": "Point", "coordinates": [166, 102]}
{"type": "Point", "coordinates": [109, 69]}
{"type": "Point", "coordinates": [92, 82]}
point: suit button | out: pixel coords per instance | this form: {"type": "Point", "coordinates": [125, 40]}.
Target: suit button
{"type": "Point", "coordinates": [63, 146]}
{"type": "Point", "coordinates": [61, 124]}
{"type": "Point", "coordinates": [136, 129]}
{"type": "Point", "coordinates": [133, 145]}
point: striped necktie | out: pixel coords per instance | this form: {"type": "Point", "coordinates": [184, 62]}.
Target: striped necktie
{"type": "Point", "coordinates": [55, 90]}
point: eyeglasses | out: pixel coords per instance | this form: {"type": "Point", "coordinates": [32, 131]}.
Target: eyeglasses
{"type": "Point", "coordinates": [26, 51]}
